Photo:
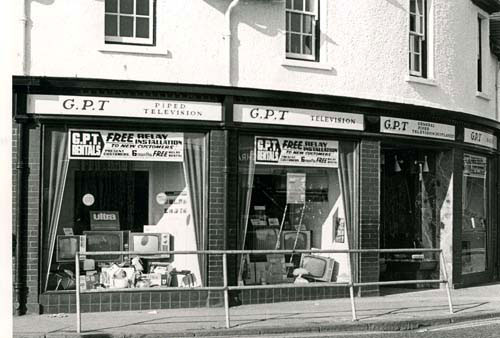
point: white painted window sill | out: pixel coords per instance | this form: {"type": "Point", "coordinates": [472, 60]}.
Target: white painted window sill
{"type": "Point", "coordinates": [306, 64]}
{"type": "Point", "coordinates": [483, 96]}
{"type": "Point", "coordinates": [421, 80]}
{"type": "Point", "coordinates": [132, 49]}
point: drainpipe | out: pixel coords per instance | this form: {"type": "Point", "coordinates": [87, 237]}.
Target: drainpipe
{"type": "Point", "coordinates": [23, 47]}
{"type": "Point", "coordinates": [19, 285]}
{"type": "Point", "coordinates": [227, 38]}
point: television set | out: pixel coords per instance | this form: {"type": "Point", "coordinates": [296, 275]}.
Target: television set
{"type": "Point", "coordinates": [67, 246]}
{"type": "Point", "coordinates": [319, 267]}
{"type": "Point", "coordinates": [303, 240]}
{"type": "Point", "coordinates": [264, 238]}
{"type": "Point", "coordinates": [149, 243]}
{"type": "Point", "coordinates": [105, 241]}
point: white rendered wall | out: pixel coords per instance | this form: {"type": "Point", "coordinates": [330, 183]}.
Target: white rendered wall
{"type": "Point", "coordinates": [364, 50]}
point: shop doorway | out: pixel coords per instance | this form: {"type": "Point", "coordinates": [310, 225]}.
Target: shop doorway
{"type": "Point", "coordinates": [411, 199]}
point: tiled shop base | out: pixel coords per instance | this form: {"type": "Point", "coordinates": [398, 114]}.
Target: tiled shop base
{"type": "Point", "coordinates": [65, 302]}
{"type": "Point", "coordinates": [290, 295]}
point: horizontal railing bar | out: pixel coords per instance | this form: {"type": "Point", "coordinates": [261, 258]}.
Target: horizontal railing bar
{"type": "Point", "coordinates": [158, 289]}
{"type": "Point", "coordinates": [237, 252]}
{"type": "Point", "coordinates": [402, 282]}
{"type": "Point", "coordinates": [286, 286]}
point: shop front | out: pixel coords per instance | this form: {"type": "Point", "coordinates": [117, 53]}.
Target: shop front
{"type": "Point", "coordinates": [170, 168]}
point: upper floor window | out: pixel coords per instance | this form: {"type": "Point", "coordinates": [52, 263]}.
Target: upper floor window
{"type": "Point", "coordinates": [480, 55]}
{"type": "Point", "coordinates": [129, 21]}
{"type": "Point", "coordinates": [418, 41]}
{"type": "Point", "coordinates": [302, 29]}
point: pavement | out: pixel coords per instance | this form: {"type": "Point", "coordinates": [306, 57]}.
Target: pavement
{"type": "Point", "coordinates": [393, 311]}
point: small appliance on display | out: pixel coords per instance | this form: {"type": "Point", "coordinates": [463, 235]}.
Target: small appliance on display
{"type": "Point", "coordinates": [67, 246]}
{"type": "Point", "coordinates": [303, 238]}
{"type": "Point", "coordinates": [104, 220]}
{"type": "Point", "coordinates": [105, 241]}
{"type": "Point", "coordinates": [319, 267]}
{"type": "Point", "coordinates": [265, 238]}
{"type": "Point", "coordinates": [149, 243]}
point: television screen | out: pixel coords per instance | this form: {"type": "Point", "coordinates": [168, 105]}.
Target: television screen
{"type": "Point", "coordinates": [149, 242]}
{"type": "Point", "coordinates": [145, 243]}
{"type": "Point", "coordinates": [265, 239]}
{"type": "Point", "coordinates": [319, 267]}
{"type": "Point", "coordinates": [105, 241]}
{"type": "Point", "coordinates": [67, 246]}
{"type": "Point", "coordinates": [303, 240]}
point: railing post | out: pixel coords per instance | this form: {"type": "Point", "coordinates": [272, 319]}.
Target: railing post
{"type": "Point", "coordinates": [77, 292]}
{"type": "Point", "coordinates": [447, 283]}
{"type": "Point", "coordinates": [351, 289]}
{"type": "Point", "coordinates": [226, 291]}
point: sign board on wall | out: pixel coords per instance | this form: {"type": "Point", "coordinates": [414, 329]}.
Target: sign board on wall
{"type": "Point", "coordinates": [123, 107]}
{"type": "Point", "coordinates": [480, 138]}
{"type": "Point", "coordinates": [125, 145]}
{"type": "Point", "coordinates": [298, 117]}
{"type": "Point", "coordinates": [296, 152]}
{"type": "Point", "coordinates": [393, 125]}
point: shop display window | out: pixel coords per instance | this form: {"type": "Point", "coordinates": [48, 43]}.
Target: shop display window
{"type": "Point", "coordinates": [474, 214]}
{"type": "Point", "coordinates": [295, 194]}
{"type": "Point", "coordinates": [416, 206]}
{"type": "Point", "coordinates": [134, 193]}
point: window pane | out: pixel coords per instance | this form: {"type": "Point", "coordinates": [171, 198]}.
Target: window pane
{"type": "Point", "coordinates": [420, 6]}
{"type": "Point", "coordinates": [111, 6]}
{"type": "Point", "coordinates": [142, 7]}
{"type": "Point", "coordinates": [295, 43]}
{"type": "Point", "coordinates": [475, 214]}
{"type": "Point", "coordinates": [142, 28]}
{"type": "Point", "coordinates": [416, 62]}
{"type": "Point", "coordinates": [287, 22]}
{"type": "Point", "coordinates": [126, 26]}
{"type": "Point", "coordinates": [289, 4]}
{"type": "Point", "coordinates": [308, 45]}
{"type": "Point", "coordinates": [295, 22]}
{"type": "Point", "coordinates": [287, 42]}
{"type": "Point", "coordinates": [127, 6]}
{"type": "Point", "coordinates": [310, 5]}
{"type": "Point", "coordinates": [308, 22]}
{"type": "Point", "coordinates": [421, 25]}
{"type": "Point", "coordinates": [412, 6]}
{"type": "Point", "coordinates": [111, 25]}
{"type": "Point", "coordinates": [298, 5]}
{"type": "Point", "coordinates": [412, 23]}
{"type": "Point", "coordinates": [416, 44]}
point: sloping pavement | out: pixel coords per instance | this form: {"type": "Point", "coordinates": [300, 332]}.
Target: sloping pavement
{"type": "Point", "coordinates": [391, 312]}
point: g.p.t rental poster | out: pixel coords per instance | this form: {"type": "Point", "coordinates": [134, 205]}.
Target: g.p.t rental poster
{"type": "Point", "coordinates": [296, 152]}
{"type": "Point", "coordinates": [126, 145]}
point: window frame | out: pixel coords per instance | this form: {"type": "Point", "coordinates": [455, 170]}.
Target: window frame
{"type": "Point", "coordinates": [132, 40]}
{"type": "Point", "coordinates": [419, 34]}
{"type": "Point", "coordinates": [315, 31]}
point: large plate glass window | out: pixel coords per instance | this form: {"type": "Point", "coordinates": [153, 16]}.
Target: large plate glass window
{"type": "Point", "coordinates": [140, 193]}
{"type": "Point", "coordinates": [302, 24]}
{"type": "Point", "coordinates": [295, 194]}
{"type": "Point", "coordinates": [129, 21]}
{"type": "Point", "coordinates": [474, 214]}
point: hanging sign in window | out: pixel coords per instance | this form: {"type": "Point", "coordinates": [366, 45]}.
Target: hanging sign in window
{"type": "Point", "coordinates": [126, 145]}
{"type": "Point", "coordinates": [296, 152]}
{"type": "Point", "coordinates": [475, 166]}
{"type": "Point", "coordinates": [393, 125]}
{"type": "Point", "coordinates": [295, 188]}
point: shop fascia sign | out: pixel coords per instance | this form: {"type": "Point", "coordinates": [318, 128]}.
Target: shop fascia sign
{"type": "Point", "coordinates": [123, 107]}
{"type": "Point", "coordinates": [393, 125]}
{"type": "Point", "coordinates": [297, 117]}
{"type": "Point", "coordinates": [480, 138]}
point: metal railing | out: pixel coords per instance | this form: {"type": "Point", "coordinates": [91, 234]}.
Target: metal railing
{"type": "Point", "coordinates": [226, 288]}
